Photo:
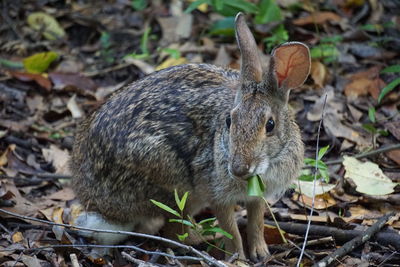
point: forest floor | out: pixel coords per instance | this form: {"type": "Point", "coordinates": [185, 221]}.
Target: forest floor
{"type": "Point", "coordinates": [60, 60]}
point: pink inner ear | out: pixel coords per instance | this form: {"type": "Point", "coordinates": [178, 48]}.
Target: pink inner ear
{"type": "Point", "coordinates": [292, 64]}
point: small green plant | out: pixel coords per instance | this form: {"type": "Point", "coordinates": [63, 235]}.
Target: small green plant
{"type": "Point", "coordinates": [327, 49]}
{"type": "Point", "coordinates": [144, 46]}
{"type": "Point", "coordinates": [106, 51]}
{"type": "Point", "coordinates": [371, 127]}
{"type": "Point", "coordinates": [307, 175]}
{"type": "Point", "coordinates": [203, 228]}
{"type": "Point", "coordinates": [139, 4]}
{"type": "Point", "coordinates": [393, 84]}
{"type": "Point", "coordinates": [265, 11]}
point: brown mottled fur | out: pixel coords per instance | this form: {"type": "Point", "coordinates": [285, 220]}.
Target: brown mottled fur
{"type": "Point", "coordinates": [167, 131]}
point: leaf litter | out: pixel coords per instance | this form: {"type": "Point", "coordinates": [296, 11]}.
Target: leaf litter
{"type": "Point", "coordinates": [102, 47]}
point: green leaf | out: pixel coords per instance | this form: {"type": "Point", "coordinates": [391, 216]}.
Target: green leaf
{"type": "Point", "coordinates": [39, 62]}
{"type": "Point", "coordinates": [242, 5]}
{"type": "Point", "coordinates": [181, 202]}
{"type": "Point", "coordinates": [371, 114]}
{"type": "Point", "coordinates": [208, 220]}
{"type": "Point", "coordinates": [217, 230]}
{"type": "Point", "coordinates": [324, 51]}
{"type": "Point", "coordinates": [195, 5]}
{"type": "Point", "coordinates": [370, 128]}
{"type": "Point", "coordinates": [46, 24]}
{"type": "Point", "coordinates": [139, 4]}
{"type": "Point", "coordinates": [182, 237]}
{"type": "Point", "coordinates": [165, 207]}
{"type": "Point", "coordinates": [255, 186]}
{"type": "Point", "coordinates": [224, 27]}
{"type": "Point", "coordinates": [144, 41]}
{"type": "Point", "coordinates": [268, 11]}
{"type": "Point", "coordinates": [322, 152]}
{"type": "Point", "coordinates": [174, 53]}
{"type": "Point", "coordinates": [388, 88]}
{"type": "Point", "coordinates": [306, 177]}
{"type": "Point", "coordinates": [11, 64]}
{"type": "Point", "coordinates": [218, 4]}
{"type": "Point", "coordinates": [182, 221]}
{"type": "Point", "coordinates": [391, 69]}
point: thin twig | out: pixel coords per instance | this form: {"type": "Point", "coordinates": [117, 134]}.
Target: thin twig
{"type": "Point", "coordinates": [137, 261]}
{"type": "Point", "coordinates": [366, 154]}
{"type": "Point", "coordinates": [106, 246]}
{"type": "Point", "coordinates": [351, 245]}
{"type": "Point", "coordinates": [314, 184]}
{"type": "Point", "coordinates": [210, 260]}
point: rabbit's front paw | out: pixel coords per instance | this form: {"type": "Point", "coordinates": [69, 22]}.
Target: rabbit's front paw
{"type": "Point", "coordinates": [258, 250]}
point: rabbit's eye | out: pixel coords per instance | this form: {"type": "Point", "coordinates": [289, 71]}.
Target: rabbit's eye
{"type": "Point", "coordinates": [228, 122]}
{"type": "Point", "coordinates": [270, 125]}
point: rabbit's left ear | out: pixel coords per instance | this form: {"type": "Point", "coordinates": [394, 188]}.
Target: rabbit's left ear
{"type": "Point", "coordinates": [292, 64]}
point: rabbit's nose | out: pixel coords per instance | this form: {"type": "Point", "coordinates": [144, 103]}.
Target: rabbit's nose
{"type": "Point", "coordinates": [240, 170]}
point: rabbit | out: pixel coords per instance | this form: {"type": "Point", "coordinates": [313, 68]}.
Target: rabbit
{"type": "Point", "coordinates": [195, 128]}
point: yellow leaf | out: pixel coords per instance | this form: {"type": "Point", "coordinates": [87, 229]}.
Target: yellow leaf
{"type": "Point", "coordinates": [40, 62]}
{"type": "Point", "coordinates": [171, 62]}
{"type": "Point", "coordinates": [17, 237]}
{"type": "Point", "coordinates": [48, 25]}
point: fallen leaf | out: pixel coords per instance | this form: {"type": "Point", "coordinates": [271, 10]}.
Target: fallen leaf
{"type": "Point", "coordinates": [357, 88]}
{"type": "Point", "coordinates": [17, 237]}
{"type": "Point", "coordinates": [3, 157]}
{"type": "Point", "coordinates": [73, 107]}
{"type": "Point", "coordinates": [394, 128]}
{"type": "Point", "coordinates": [63, 81]}
{"type": "Point", "coordinates": [306, 188]}
{"type": "Point", "coordinates": [39, 62]}
{"type": "Point", "coordinates": [58, 157]}
{"type": "Point", "coordinates": [368, 177]}
{"type": "Point", "coordinates": [64, 194]}
{"type": "Point", "coordinates": [29, 77]}
{"type": "Point", "coordinates": [318, 18]}
{"type": "Point", "coordinates": [318, 73]}
{"type": "Point", "coordinates": [46, 24]}
{"type": "Point", "coordinates": [336, 128]}
{"type": "Point", "coordinates": [171, 62]}
{"type": "Point", "coordinates": [394, 155]}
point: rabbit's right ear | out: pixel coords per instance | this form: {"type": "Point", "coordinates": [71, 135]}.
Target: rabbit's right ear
{"type": "Point", "coordinates": [251, 69]}
{"type": "Point", "coordinates": [292, 64]}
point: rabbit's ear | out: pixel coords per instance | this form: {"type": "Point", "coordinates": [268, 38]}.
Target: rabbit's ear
{"type": "Point", "coordinates": [251, 66]}
{"type": "Point", "coordinates": [292, 64]}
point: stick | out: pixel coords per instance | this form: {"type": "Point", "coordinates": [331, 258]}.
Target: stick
{"type": "Point", "coordinates": [139, 263]}
{"type": "Point", "coordinates": [366, 154]}
{"type": "Point", "coordinates": [314, 184]}
{"type": "Point", "coordinates": [210, 260]}
{"type": "Point", "coordinates": [106, 246]}
{"type": "Point", "coordinates": [351, 245]}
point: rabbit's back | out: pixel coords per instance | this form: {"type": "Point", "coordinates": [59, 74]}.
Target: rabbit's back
{"type": "Point", "coordinates": [152, 137]}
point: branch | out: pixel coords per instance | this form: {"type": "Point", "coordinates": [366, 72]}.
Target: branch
{"type": "Point", "coordinates": [105, 246]}
{"type": "Point", "coordinates": [351, 245]}
{"type": "Point", "coordinates": [210, 260]}
{"type": "Point", "coordinates": [367, 154]}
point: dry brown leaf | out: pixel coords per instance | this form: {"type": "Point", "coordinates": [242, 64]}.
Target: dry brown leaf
{"type": "Point", "coordinates": [58, 157]}
{"type": "Point", "coordinates": [318, 73]}
{"type": "Point", "coordinates": [358, 87]}
{"type": "Point", "coordinates": [64, 194]}
{"type": "Point", "coordinates": [318, 18]}
{"type": "Point", "coordinates": [3, 157]}
{"type": "Point", "coordinates": [17, 237]}
{"type": "Point", "coordinates": [28, 77]}
{"type": "Point", "coordinates": [73, 107]}
{"type": "Point", "coordinates": [22, 205]}
{"type": "Point", "coordinates": [322, 201]}
{"type": "Point", "coordinates": [66, 81]}
{"type": "Point", "coordinates": [394, 155]}
{"type": "Point", "coordinates": [394, 128]}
